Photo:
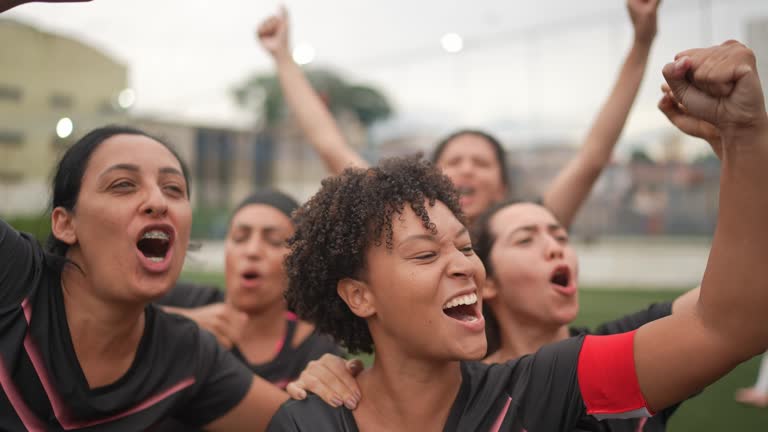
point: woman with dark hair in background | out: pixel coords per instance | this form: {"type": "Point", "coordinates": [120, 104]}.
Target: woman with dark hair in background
{"type": "Point", "coordinates": [251, 316]}
{"type": "Point", "coordinates": [82, 347]}
{"type": "Point", "coordinates": [531, 291]}
{"type": "Point", "coordinates": [474, 160]}
{"type": "Point", "coordinates": [381, 257]}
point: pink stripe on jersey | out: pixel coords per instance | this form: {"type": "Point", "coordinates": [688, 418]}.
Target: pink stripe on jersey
{"type": "Point", "coordinates": [500, 419]}
{"type": "Point", "coordinates": [641, 424]}
{"type": "Point", "coordinates": [60, 409]}
{"type": "Point", "coordinates": [27, 417]}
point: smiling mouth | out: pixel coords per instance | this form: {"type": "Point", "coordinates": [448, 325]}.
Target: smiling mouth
{"type": "Point", "coordinates": [462, 308]}
{"type": "Point", "coordinates": [154, 244]}
{"type": "Point", "coordinates": [561, 276]}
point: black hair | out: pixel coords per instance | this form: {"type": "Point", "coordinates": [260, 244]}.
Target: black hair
{"type": "Point", "coordinates": [68, 175]}
{"type": "Point", "coordinates": [272, 198]}
{"type": "Point", "coordinates": [482, 240]}
{"type": "Point", "coordinates": [498, 150]}
{"type": "Point", "coordinates": [336, 226]}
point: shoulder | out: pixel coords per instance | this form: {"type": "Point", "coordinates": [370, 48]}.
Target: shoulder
{"type": "Point", "coordinates": [311, 414]}
{"type": "Point", "coordinates": [191, 295]}
{"type": "Point", "coordinates": [183, 337]}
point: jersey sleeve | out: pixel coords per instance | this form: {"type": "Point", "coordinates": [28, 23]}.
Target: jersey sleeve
{"type": "Point", "coordinates": [636, 320]}
{"type": "Point", "coordinates": [21, 261]}
{"type": "Point", "coordinates": [545, 385]}
{"type": "Point", "coordinates": [283, 420]}
{"type": "Point", "coordinates": [222, 382]}
{"type": "Point", "coordinates": [564, 383]}
{"type": "Point", "coordinates": [608, 379]}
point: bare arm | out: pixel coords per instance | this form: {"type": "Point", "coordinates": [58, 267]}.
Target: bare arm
{"type": "Point", "coordinates": [687, 301]}
{"type": "Point", "coordinates": [254, 411]}
{"type": "Point", "coordinates": [681, 354]}
{"type": "Point", "coordinates": [573, 184]}
{"type": "Point", "coordinates": [310, 111]}
{"type": "Point", "coordinates": [330, 377]}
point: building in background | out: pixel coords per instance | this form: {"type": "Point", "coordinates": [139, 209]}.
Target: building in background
{"type": "Point", "coordinates": [52, 89]}
{"type": "Point", "coordinates": [757, 39]}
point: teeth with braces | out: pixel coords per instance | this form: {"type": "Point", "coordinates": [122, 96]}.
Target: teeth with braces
{"type": "Point", "coordinates": [468, 299]}
{"type": "Point", "coordinates": [159, 235]}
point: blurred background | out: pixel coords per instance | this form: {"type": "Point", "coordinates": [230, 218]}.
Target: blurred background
{"type": "Point", "coordinates": [398, 75]}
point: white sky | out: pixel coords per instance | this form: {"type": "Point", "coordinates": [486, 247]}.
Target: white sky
{"type": "Point", "coordinates": [528, 68]}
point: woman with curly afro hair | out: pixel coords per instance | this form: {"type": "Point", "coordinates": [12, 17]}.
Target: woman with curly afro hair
{"type": "Point", "coordinates": [380, 257]}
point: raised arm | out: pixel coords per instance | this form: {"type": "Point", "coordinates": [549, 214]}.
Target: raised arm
{"type": "Point", "coordinates": [310, 111]}
{"type": "Point", "coordinates": [573, 184]}
{"type": "Point", "coordinates": [681, 354]}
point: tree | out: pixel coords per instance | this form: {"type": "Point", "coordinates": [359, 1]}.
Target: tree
{"type": "Point", "coordinates": [640, 156]}
{"type": "Point", "coordinates": [262, 91]}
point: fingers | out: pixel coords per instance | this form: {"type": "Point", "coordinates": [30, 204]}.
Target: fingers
{"type": "Point", "coordinates": [697, 102]}
{"type": "Point", "coordinates": [296, 390]}
{"type": "Point", "coordinates": [332, 380]}
{"type": "Point", "coordinates": [355, 366]}
{"type": "Point", "coordinates": [269, 27]}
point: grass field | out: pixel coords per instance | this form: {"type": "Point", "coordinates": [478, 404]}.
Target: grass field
{"type": "Point", "coordinates": [714, 410]}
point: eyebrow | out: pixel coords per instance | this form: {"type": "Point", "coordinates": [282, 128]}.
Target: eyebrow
{"type": "Point", "coordinates": [269, 229]}
{"type": "Point", "coordinates": [533, 228]}
{"type": "Point", "coordinates": [431, 237]}
{"type": "Point", "coordinates": [135, 168]}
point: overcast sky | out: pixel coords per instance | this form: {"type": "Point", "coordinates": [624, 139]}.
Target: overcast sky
{"type": "Point", "coordinates": [534, 67]}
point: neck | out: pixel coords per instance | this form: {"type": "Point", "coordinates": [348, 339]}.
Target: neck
{"type": "Point", "coordinates": [521, 336]}
{"type": "Point", "coordinates": [268, 324]}
{"type": "Point", "coordinates": [261, 333]}
{"type": "Point", "coordinates": [103, 332]}
{"type": "Point", "coordinates": [403, 393]}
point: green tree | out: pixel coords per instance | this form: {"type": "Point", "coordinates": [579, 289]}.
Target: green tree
{"type": "Point", "coordinates": [262, 91]}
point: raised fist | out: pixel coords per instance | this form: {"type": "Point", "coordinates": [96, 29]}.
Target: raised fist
{"type": "Point", "coordinates": [643, 16]}
{"type": "Point", "coordinates": [720, 86]}
{"type": "Point", "coordinates": [273, 33]}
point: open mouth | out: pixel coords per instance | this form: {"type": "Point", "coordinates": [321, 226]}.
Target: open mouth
{"type": "Point", "coordinates": [251, 276]}
{"type": "Point", "coordinates": [462, 308]}
{"type": "Point", "coordinates": [155, 242]}
{"type": "Point", "coordinates": [561, 276]}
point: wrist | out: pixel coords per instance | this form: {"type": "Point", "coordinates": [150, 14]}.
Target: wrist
{"type": "Point", "coordinates": [282, 56]}
{"type": "Point", "coordinates": [643, 42]}
{"type": "Point", "coordinates": [745, 138]}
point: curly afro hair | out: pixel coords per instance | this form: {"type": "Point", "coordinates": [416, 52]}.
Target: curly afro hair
{"type": "Point", "coordinates": [336, 226]}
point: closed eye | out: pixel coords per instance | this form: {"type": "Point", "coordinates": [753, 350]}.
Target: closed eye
{"type": "Point", "coordinates": [468, 250]}
{"type": "Point", "coordinates": [176, 190]}
{"type": "Point", "coordinates": [121, 185]}
{"type": "Point", "coordinates": [425, 256]}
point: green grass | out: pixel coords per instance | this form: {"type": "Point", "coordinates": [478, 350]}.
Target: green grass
{"type": "Point", "coordinates": [714, 410]}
